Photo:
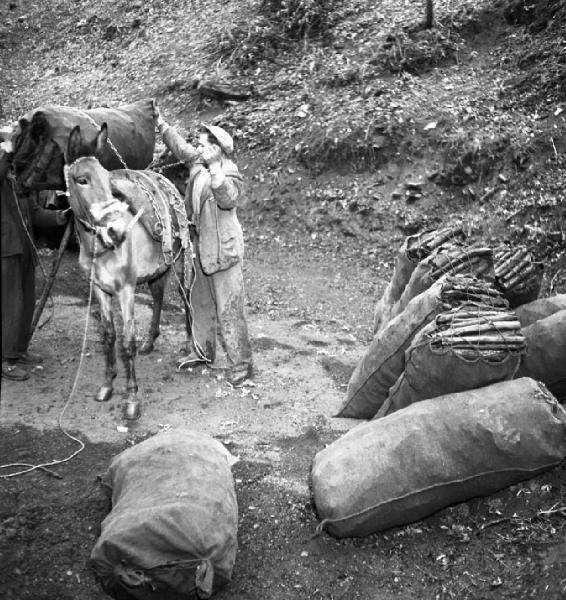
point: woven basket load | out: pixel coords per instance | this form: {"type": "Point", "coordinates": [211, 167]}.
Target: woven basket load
{"type": "Point", "coordinates": [517, 274]}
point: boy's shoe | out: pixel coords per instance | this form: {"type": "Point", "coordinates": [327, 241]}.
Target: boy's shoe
{"type": "Point", "coordinates": [28, 358]}
{"type": "Point", "coordinates": [236, 377]}
{"type": "Point", "coordinates": [13, 372]}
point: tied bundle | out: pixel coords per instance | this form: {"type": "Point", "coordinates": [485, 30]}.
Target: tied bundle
{"type": "Point", "coordinates": [419, 247]}
{"type": "Point", "coordinates": [517, 274]}
{"type": "Point", "coordinates": [480, 334]}
{"type": "Point", "coordinates": [415, 249]}
{"type": "Point", "coordinates": [467, 347]}
{"type": "Point", "coordinates": [475, 261]}
{"type": "Point", "coordinates": [459, 290]}
{"type": "Point", "coordinates": [448, 259]}
{"type": "Point", "coordinates": [384, 360]}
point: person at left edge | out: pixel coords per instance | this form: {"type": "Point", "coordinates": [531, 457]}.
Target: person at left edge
{"type": "Point", "coordinates": [18, 213]}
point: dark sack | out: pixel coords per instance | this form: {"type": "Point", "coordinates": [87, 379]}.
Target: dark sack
{"type": "Point", "coordinates": [396, 470]}
{"type": "Point", "coordinates": [517, 275]}
{"type": "Point", "coordinates": [414, 249]}
{"type": "Point", "coordinates": [171, 533]}
{"type": "Point", "coordinates": [448, 260]}
{"type": "Point", "coordinates": [545, 359]}
{"type": "Point", "coordinates": [540, 309]}
{"type": "Point", "coordinates": [458, 352]}
{"type": "Point", "coordinates": [43, 134]}
{"type": "Point", "coordinates": [384, 361]}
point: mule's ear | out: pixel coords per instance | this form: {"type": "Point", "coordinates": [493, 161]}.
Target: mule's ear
{"type": "Point", "coordinates": [73, 145]}
{"type": "Point", "coordinates": [101, 140]}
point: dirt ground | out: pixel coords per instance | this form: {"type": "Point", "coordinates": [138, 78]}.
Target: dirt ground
{"type": "Point", "coordinates": [309, 316]}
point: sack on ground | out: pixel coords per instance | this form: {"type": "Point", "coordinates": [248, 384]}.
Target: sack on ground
{"type": "Point", "coordinates": [384, 361]}
{"type": "Point", "coordinates": [545, 359]}
{"type": "Point", "coordinates": [414, 249]}
{"type": "Point", "coordinates": [172, 530]}
{"type": "Point", "coordinates": [540, 309]}
{"type": "Point", "coordinates": [396, 470]}
{"type": "Point", "coordinates": [448, 260]}
{"type": "Point", "coordinates": [517, 274]}
{"type": "Point", "coordinates": [458, 351]}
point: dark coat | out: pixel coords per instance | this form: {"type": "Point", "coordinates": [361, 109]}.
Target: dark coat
{"type": "Point", "coordinates": [18, 213]}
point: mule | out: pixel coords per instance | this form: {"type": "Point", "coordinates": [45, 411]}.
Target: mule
{"type": "Point", "coordinates": [118, 250]}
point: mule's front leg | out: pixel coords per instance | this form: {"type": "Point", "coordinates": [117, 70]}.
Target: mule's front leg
{"type": "Point", "coordinates": [126, 296]}
{"type": "Point", "coordinates": [108, 336]}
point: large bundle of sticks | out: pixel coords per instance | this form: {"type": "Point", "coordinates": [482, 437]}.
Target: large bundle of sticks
{"type": "Point", "coordinates": [517, 274]}
{"type": "Point", "coordinates": [419, 247]}
{"type": "Point", "coordinates": [459, 290]}
{"type": "Point", "coordinates": [463, 348]}
{"type": "Point", "coordinates": [449, 259]}
{"type": "Point", "coordinates": [415, 249]}
{"type": "Point", "coordinates": [463, 260]}
{"type": "Point", "coordinates": [384, 360]}
{"type": "Point", "coordinates": [478, 333]}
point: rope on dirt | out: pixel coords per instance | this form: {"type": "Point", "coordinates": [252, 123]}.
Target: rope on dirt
{"type": "Point", "coordinates": [45, 466]}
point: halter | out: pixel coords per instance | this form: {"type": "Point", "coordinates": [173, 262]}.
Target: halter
{"type": "Point", "coordinates": [98, 229]}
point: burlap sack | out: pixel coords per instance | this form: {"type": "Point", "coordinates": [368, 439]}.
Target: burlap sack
{"type": "Point", "coordinates": [545, 359]}
{"type": "Point", "coordinates": [414, 249]}
{"type": "Point", "coordinates": [393, 471]}
{"type": "Point", "coordinates": [449, 260]}
{"type": "Point", "coordinates": [435, 366]}
{"type": "Point", "coordinates": [172, 531]}
{"type": "Point", "coordinates": [43, 134]}
{"type": "Point", "coordinates": [384, 361]}
{"type": "Point", "coordinates": [540, 309]}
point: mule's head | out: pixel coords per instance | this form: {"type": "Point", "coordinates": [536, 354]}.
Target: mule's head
{"type": "Point", "coordinates": [88, 182]}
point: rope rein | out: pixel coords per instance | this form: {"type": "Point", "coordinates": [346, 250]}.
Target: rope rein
{"type": "Point", "coordinates": [46, 465]}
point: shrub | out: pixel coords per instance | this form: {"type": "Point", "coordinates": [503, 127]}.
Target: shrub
{"type": "Point", "coordinates": [276, 26]}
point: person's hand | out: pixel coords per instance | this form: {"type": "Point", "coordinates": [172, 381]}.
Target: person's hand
{"type": "Point", "coordinates": [156, 111]}
{"type": "Point", "coordinates": [158, 118]}
{"type": "Point", "coordinates": [62, 216]}
{"type": "Point", "coordinates": [211, 155]}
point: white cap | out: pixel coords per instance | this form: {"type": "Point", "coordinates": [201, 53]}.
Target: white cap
{"type": "Point", "coordinates": [222, 137]}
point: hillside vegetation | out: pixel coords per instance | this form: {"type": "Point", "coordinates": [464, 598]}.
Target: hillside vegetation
{"type": "Point", "coordinates": [349, 100]}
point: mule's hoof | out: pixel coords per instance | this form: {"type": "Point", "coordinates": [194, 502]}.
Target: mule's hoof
{"type": "Point", "coordinates": [104, 394]}
{"type": "Point", "coordinates": [146, 348]}
{"type": "Point", "coordinates": [132, 410]}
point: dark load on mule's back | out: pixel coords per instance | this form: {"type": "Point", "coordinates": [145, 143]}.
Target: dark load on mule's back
{"type": "Point", "coordinates": [42, 137]}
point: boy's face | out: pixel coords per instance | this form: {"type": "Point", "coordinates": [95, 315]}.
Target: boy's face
{"type": "Point", "coordinates": [203, 140]}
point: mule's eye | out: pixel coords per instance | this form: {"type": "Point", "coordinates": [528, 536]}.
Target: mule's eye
{"type": "Point", "coordinates": [82, 180]}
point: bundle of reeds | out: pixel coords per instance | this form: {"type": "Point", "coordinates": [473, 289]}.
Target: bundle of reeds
{"type": "Point", "coordinates": [517, 274]}
{"type": "Point", "coordinates": [420, 246]}
{"type": "Point", "coordinates": [461, 289]}
{"type": "Point", "coordinates": [478, 333]}
{"type": "Point", "coordinates": [465, 260]}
